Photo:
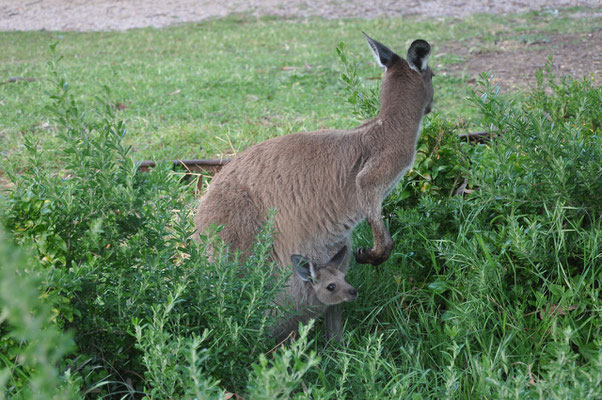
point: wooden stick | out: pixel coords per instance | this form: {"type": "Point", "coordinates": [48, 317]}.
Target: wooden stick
{"type": "Point", "coordinates": [191, 166]}
{"type": "Point", "coordinates": [481, 136]}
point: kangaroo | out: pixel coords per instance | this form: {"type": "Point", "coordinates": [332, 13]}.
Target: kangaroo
{"type": "Point", "coordinates": [324, 183]}
{"type": "Point", "coordinates": [311, 290]}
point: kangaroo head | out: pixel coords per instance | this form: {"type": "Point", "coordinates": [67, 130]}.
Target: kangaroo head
{"type": "Point", "coordinates": [400, 71]}
{"type": "Point", "coordinates": [326, 280]}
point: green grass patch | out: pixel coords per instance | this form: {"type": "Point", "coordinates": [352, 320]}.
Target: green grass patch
{"type": "Point", "coordinates": [213, 88]}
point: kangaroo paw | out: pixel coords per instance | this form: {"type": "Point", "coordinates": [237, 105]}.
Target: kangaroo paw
{"type": "Point", "coordinates": [368, 256]}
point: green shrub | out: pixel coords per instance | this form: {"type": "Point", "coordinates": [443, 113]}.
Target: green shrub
{"type": "Point", "coordinates": [495, 293]}
{"type": "Point", "coordinates": [173, 364]}
{"type": "Point", "coordinates": [103, 233]}
{"type": "Point", "coordinates": [282, 377]}
{"type": "Point", "coordinates": [546, 150]}
{"type": "Point", "coordinates": [31, 345]}
{"type": "Point", "coordinates": [223, 305]}
{"type": "Point", "coordinates": [115, 247]}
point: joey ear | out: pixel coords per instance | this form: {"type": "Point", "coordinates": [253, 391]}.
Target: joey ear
{"type": "Point", "coordinates": [338, 258]}
{"type": "Point", "coordinates": [384, 56]}
{"type": "Point", "coordinates": [304, 268]}
{"type": "Point", "coordinates": [418, 55]}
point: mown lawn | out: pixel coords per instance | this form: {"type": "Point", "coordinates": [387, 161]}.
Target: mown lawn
{"type": "Point", "coordinates": [214, 88]}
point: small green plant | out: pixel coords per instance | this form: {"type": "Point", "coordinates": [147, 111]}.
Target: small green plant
{"type": "Point", "coordinates": [174, 365]}
{"type": "Point", "coordinates": [282, 376]}
{"type": "Point", "coordinates": [364, 101]}
{"type": "Point", "coordinates": [557, 126]}
{"type": "Point", "coordinates": [224, 305]}
{"type": "Point", "coordinates": [31, 345]}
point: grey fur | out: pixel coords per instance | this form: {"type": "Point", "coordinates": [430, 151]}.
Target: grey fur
{"type": "Point", "coordinates": [316, 288]}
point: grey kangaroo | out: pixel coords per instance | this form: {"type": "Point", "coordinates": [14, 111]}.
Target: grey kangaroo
{"type": "Point", "coordinates": [326, 182]}
{"type": "Point", "coordinates": [311, 290]}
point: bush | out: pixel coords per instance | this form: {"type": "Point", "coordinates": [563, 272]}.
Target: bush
{"type": "Point", "coordinates": [547, 151]}
{"type": "Point", "coordinates": [31, 346]}
{"type": "Point", "coordinates": [105, 235]}
{"type": "Point", "coordinates": [494, 293]}
{"type": "Point", "coordinates": [222, 305]}
{"type": "Point", "coordinates": [122, 273]}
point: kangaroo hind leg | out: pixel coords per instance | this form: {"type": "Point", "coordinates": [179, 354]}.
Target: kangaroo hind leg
{"type": "Point", "coordinates": [233, 208]}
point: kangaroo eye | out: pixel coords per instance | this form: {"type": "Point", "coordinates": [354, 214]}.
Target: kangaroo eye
{"type": "Point", "coordinates": [331, 287]}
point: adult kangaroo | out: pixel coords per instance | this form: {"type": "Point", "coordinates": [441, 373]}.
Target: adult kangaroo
{"type": "Point", "coordinates": [324, 183]}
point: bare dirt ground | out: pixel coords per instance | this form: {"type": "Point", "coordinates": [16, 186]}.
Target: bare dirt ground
{"type": "Point", "coordinates": [578, 54]}
{"type": "Point", "coordinates": [100, 15]}
{"type": "Point", "coordinates": [515, 64]}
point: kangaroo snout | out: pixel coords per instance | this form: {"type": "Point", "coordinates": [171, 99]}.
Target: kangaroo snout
{"type": "Point", "coordinates": [352, 294]}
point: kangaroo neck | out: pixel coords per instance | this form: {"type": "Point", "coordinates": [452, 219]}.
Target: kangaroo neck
{"type": "Point", "coordinates": [402, 95]}
{"type": "Point", "coordinates": [400, 117]}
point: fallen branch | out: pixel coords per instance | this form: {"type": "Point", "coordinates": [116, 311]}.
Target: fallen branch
{"type": "Point", "coordinates": [210, 166]}
{"type": "Point", "coordinates": [14, 79]}
{"type": "Point", "coordinates": [477, 137]}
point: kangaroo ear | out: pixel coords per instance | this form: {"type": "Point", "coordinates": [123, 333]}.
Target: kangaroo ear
{"type": "Point", "coordinates": [304, 268]}
{"type": "Point", "coordinates": [384, 56]}
{"type": "Point", "coordinates": [418, 55]}
{"type": "Point", "coordinates": [338, 258]}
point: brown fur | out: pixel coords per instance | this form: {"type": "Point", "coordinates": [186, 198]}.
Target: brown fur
{"type": "Point", "coordinates": [324, 183]}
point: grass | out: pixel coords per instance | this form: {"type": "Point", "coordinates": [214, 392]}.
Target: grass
{"type": "Point", "coordinates": [214, 88]}
{"type": "Point", "coordinates": [492, 295]}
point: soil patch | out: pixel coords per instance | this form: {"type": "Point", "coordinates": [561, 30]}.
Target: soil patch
{"type": "Point", "coordinates": [514, 65]}
{"type": "Point", "coordinates": [100, 15]}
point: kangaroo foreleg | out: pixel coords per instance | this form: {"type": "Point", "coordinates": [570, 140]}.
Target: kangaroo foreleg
{"type": "Point", "coordinates": [369, 183]}
{"type": "Point", "coordinates": [382, 247]}
{"type": "Point", "coordinates": [334, 323]}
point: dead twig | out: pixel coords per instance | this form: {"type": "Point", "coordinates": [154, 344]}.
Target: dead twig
{"type": "Point", "coordinates": [292, 335]}
{"type": "Point", "coordinates": [190, 166]}
{"type": "Point", "coordinates": [199, 168]}
{"type": "Point", "coordinates": [478, 137]}
{"type": "Point", "coordinates": [14, 79]}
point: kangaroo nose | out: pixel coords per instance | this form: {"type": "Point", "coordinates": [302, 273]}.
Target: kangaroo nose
{"type": "Point", "coordinates": [352, 292]}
